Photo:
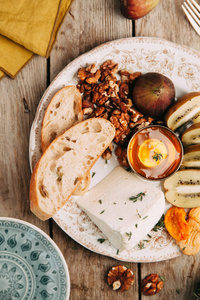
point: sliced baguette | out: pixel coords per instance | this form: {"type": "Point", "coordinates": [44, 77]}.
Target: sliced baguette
{"type": "Point", "coordinates": [65, 163]}
{"type": "Point", "coordinates": [63, 111]}
{"type": "Point", "coordinates": [83, 186]}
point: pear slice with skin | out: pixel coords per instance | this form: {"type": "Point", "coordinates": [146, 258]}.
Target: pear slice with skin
{"type": "Point", "coordinates": [183, 110]}
{"type": "Point", "coordinates": [191, 136]}
{"type": "Point", "coordinates": [191, 157]}
{"type": "Point", "coordinates": [183, 188]}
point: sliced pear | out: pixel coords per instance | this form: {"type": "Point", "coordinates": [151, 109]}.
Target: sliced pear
{"type": "Point", "coordinates": [191, 136]}
{"type": "Point", "coordinates": [185, 108]}
{"type": "Point", "coordinates": [191, 157]}
{"type": "Point", "coordinates": [183, 188]}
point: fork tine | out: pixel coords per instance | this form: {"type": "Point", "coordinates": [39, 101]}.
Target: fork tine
{"type": "Point", "coordinates": [190, 18]}
{"type": "Point", "coordinates": [194, 12]}
{"type": "Point", "coordinates": [196, 5]}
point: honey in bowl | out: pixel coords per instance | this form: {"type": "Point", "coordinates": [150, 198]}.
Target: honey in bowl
{"type": "Point", "coordinates": [155, 152]}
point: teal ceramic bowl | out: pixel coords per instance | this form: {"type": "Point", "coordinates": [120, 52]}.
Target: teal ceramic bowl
{"type": "Point", "coordinates": [31, 265]}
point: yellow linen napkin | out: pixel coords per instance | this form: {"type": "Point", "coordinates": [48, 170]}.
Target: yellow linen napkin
{"type": "Point", "coordinates": [2, 74]}
{"type": "Point", "coordinates": [12, 56]}
{"type": "Point", "coordinates": [26, 27]}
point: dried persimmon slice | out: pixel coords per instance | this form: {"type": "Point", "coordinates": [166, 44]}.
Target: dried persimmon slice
{"type": "Point", "coordinates": [176, 224]}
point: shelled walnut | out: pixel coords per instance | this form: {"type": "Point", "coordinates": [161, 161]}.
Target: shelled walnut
{"type": "Point", "coordinates": [120, 277]}
{"type": "Point", "coordinates": [108, 152]}
{"type": "Point", "coordinates": [108, 70]}
{"type": "Point", "coordinates": [129, 77]}
{"type": "Point", "coordinates": [90, 74]}
{"type": "Point", "coordinates": [121, 154]}
{"type": "Point", "coordinates": [151, 285]}
{"type": "Point", "coordinates": [107, 97]}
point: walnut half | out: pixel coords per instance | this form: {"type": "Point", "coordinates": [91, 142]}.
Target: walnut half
{"type": "Point", "coordinates": [108, 152]}
{"type": "Point", "coordinates": [120, 277]}
{"type": "Point", "coordinates": [151, 285]}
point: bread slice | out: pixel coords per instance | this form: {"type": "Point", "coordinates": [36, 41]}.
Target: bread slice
{"type": "Point", "coordinates": [65, 163]}
{"type": "Point", "coordinates": [63, 111]}
{"type": "Point", "coordinates": [83, 186]}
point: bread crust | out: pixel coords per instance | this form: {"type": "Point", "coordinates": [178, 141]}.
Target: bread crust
{"type": "Point", "coordinates": [67, 98]}
{"type": "Point", "coordinates": [66, 95]}
{"type": "Point", "coordinates": [34, 206]}
{"type": "Point", "coordinates": [35, 195]}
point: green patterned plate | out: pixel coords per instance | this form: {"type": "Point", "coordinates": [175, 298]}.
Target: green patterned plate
{"type": "Point", "coordinates": [31, 265]}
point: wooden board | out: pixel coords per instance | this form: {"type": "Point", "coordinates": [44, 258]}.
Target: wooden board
{"type": "Point", "coordinates": [104, 23]}
{"type": "Point", "coordinates": [19, 101]}
{"type": "Point", "coordinates": [168, 21]}
{"type": "Point", "coordinates": [88, 24]}
{"type": "Point", "coordinates": [181, 274]}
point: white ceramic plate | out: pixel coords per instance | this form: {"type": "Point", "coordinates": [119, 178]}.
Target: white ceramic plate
{"type": "Point", "coordinates": [31, 264]}
{"type": "Point", "coordinates": [182, 65]}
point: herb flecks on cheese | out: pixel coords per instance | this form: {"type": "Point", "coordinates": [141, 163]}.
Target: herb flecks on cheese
{"type": "Point", "coordinates": [123, 225]}
{"type": "Point", "coordinates": [138, 197]}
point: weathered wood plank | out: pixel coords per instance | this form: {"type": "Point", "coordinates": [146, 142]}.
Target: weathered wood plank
{"type": "Point", "coordinates": [88, 271]}
{"type": "Point", "coordinates": [181, 277]}
{"type": "Point", "coordinates": [16, 121]}
{"type": "Point", "coordinates": [167, 21]}
{"type": "Point", "coordinates": [87, 25]}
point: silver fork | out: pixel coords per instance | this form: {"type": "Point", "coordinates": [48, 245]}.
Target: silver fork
{"type": "Point", "coordinates": [192, 12]}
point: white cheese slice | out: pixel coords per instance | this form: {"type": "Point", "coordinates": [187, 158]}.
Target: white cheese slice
{"type": "Point", "coordinates": [123, 222]}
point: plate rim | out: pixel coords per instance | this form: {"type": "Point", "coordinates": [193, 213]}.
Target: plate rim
{"type": "Point", "coordinates": [51, 241]}
{"type": "Point", "coordinates": [117, 257]}
{"type": "Point", "coordinates": [134, 40]}
{"type": "Point", "coordinates": [145, 38]}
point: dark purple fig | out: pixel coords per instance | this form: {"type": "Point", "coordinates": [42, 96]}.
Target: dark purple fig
{"type": "Point", "coordinates": [153, 93]}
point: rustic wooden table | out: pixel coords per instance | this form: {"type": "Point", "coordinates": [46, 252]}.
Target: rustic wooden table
{"type": "Point", "coordinates": [88, 24]}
